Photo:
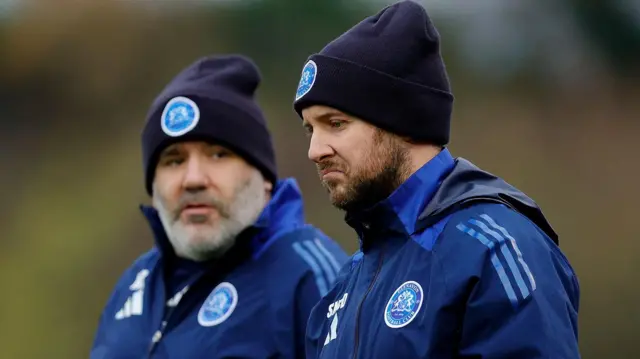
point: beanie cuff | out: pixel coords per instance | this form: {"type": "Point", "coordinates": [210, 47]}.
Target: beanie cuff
{"type": "Point", "coordinates": [229, 129]}
{"type": "Point", "coordinates": [405, 108]}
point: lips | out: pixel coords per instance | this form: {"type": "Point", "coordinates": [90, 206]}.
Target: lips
{"type": "Point", "coordinates": [329, 170]}
{"type": "Point", "coordinates": [196, 209]}
{"type": "Point", "coordinates": [195, 205]}
{"type": "Point", "coordinates": [326, 168]}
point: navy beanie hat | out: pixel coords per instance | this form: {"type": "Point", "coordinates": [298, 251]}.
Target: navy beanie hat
{"type": "Point", "coordinates": [211, 100]}
{"type": "Point", "coordinates": [386, 70]}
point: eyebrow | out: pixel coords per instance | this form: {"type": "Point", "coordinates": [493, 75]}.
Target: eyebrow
{"type": "Point", "coordinates": [171, 151]}
{"type": "Point", "coordinates": [324, 116]}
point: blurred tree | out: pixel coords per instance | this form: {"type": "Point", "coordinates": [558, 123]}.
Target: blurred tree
{"type": "Point", "coordinates": [614, 30]}
{"type": "Point", "coordinates": [76, 81]}
{"type": "Point", "coordinates": [302, 27]}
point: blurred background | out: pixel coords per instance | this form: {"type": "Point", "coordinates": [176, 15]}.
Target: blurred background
{"type": "Point", "coordinates": [547, 96]}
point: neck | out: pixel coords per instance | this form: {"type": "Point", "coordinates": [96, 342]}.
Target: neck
{"type": "Point", "coordinates": [419, 155]}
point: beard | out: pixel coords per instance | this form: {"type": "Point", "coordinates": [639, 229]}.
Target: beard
{"type": "Point", "coordinates": [201, 239]}
{"type": "Point", "coordinates": [377, 176]}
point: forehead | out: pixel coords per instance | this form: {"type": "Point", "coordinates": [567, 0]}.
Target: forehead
{"type": "Point", "coordinates": [316, 113]}
{"type": "Point", "coordinates": [188, 146]}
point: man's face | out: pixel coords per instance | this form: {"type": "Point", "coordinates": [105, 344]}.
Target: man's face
{"type": "Point", "coordinates": [359, 164]}
{"type": "Point", "coordinates": [205, 196]}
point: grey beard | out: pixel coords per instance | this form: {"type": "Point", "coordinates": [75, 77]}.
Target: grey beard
{"type": "Point", "coordinates": [248, 203]}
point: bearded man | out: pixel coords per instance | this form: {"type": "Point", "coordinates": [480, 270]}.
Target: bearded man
{"type": "Point", "coordinates": [453, 261]}
{"type": "Point", "coordinates": [235, 269]}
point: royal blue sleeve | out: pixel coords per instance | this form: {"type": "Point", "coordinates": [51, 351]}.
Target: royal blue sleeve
{"type": "Point", "coordinates": [98, 348]}
{"type": "Point", "coordinates": [523, 299]}
{"type": "Point", "coordinates": [310, 291]}
{"type": "Point", "coordinates": [307, 296]}
{"type": "Point", "coordinates": [102, 337]}
{"type": "Point", "coordinates": [291, 312]}
{"type": "Point", "coordinates": [315, 262]}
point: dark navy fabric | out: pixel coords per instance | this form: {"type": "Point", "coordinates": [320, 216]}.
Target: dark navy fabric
{"type": "Point", "coordinates": [456, 263]}
{"type": "Point", "coordinates": [387, 70]}
{"type": "Point", "coordinates": [213, 99]}
{"type": "Point", "coordinates": [252, 303]}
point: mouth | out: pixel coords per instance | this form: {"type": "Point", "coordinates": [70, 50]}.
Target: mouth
{"type": "Point", "coordinates": [330, 173]}
{"type": "Point", "coordinates": [324, 172]}
{"type": "Point", "coordinates": [191, 209]}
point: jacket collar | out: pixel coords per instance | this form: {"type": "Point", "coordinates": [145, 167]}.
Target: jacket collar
{"type": "Point", "coordinates": [399, 212]}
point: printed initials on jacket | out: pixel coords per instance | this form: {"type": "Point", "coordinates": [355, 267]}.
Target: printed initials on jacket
{"type": "Point", "coordinates": [333, 312]}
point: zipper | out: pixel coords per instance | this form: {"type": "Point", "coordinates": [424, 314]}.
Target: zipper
{"type": "Point", "coordinates": [155, 339]}
{"type": "Point", "coordinates": [208, 279]}
{"type": "Point", "coordinates": [364, 297]}
{"type": "Point", "coordinates": [168, 313]}
{"type": "Point", "coordinates": [195, 294]}
{"type": "Point", "coordinates": [173, 314]}
{"type": "Point", "coordinates": [157, 335]}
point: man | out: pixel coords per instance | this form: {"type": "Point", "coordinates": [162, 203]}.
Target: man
{"type": "Point", "coordinates": [453, 261]}
{"type": "Point", "coordinates": [235, 270]}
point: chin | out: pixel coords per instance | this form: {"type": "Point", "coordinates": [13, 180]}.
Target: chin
{"type": "Point", "coordinates": [338, 200]}
{"type": "Point", "coordinates": [203, 248]}
{"type": "Point", "coordinates": [334, 187]}
{"type": "Point", "coordinates": [196, 235]}
{"type": "Point", "coordinates": [203, 237]}
{"type": "Point", "coordinates": [204, 229]}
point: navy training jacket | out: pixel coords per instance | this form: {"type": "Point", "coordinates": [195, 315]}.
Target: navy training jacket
{"type": "Point", "coordinates": [456, 263]}
{"type": "Point", "coordinates": [253, 303]}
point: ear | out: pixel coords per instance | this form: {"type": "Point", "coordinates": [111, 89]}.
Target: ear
{"type": "Point", "coordinates": [155, 201]}
{"type": "Point", "coordinates": [268, 186]}
{"type": "Point", "coordinates": [154, 191]}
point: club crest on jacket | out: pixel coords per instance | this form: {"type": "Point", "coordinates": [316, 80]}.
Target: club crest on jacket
{"type": "Point", "coordinates": [219, 305]}
{"type": "Point", "coordinates": [404, 305]}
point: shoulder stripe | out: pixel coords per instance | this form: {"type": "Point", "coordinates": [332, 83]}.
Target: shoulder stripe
{"type": "Point", "coordinates": [514, 245]}
{"type": "Point", "coordinates": [320, 281]}
{"type": "Point", "coordinates": [324, 263]}
{"type": "Point", "coordinates": [332, 259]}
{"type": "Point", "coordinates": [504, 249]}
{"type": "Point", "coordinates": [495, 261]}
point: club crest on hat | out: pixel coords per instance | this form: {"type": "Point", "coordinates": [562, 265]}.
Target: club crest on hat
{"type": "Point", "coordinates": [180, 116]}
{"type": "Point", "coordinates": [404, 305]}
{"type": "Point", "coordinates": [307, 79]}
{"type": "Point", "coordinates": [219, 305]}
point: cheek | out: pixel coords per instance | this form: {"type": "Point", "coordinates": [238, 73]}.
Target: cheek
{"type": "Point", "coordinates": [356, 148]}
{"type": "Point", "coordinates": [359, 159]}
{"type": "Point", "coordinates": [167, 194]}
{"type": "Point", "coordinates": [226, 180]}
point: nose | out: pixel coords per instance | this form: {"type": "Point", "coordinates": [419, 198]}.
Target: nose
{"type": "Point", "coordinates": [195, 177]}
{"type": "Point", "coordinates": [319, 149]}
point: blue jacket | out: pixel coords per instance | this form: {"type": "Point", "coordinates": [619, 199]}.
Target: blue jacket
{"type": "Point", "coordinates": [254, 303]}
{"type": "Point", "coordinates": [456, 263]}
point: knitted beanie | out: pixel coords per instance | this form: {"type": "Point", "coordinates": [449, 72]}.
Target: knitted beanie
{"type": "Point", "coordinates": [211, 100]}
{"type": "Point", "coordinates": [386, 70]}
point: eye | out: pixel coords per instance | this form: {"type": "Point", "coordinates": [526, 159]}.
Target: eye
{"type": "Point", "coordinates": [171, 161]}
{"type": "Point", "coordinates": [308, 130]}
{"type": "Point", "coordinates": [337, 124]}
{"type": "Point", "coordinates": [220, 154]}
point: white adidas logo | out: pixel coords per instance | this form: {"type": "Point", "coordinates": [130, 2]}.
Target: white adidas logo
{"type": "Point", "coordinates": [134, 304]}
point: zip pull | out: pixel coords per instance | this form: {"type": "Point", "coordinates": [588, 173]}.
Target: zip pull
{"type": "Point", "coordinates": [157, 336]}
